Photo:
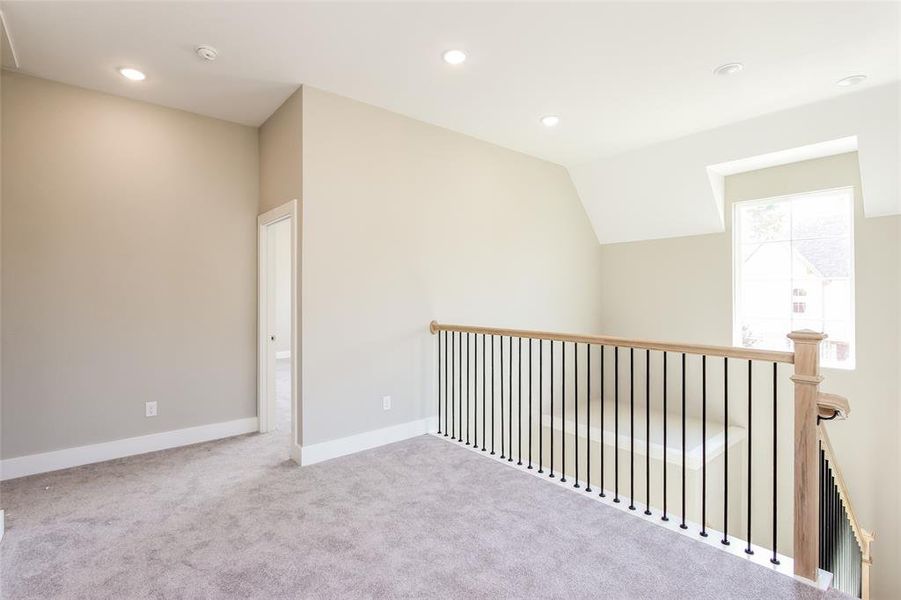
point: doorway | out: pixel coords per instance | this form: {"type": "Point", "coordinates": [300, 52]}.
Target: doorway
{"type": "Point", "coordinates": [278, 352]}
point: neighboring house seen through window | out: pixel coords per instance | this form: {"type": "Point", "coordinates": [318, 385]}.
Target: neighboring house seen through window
{"type": "Point", "coordinates": [794, 269]}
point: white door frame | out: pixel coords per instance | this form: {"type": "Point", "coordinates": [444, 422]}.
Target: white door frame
{"type": "Point", "coordinates": [285, 211]}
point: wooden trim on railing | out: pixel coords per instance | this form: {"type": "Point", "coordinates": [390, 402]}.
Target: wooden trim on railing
{"type": "Point", "coordinates": [727, 351]}
{"type": "Point", "coordinates": [864, 538]}
{"type": "Point", "coordinates": [833, 406]}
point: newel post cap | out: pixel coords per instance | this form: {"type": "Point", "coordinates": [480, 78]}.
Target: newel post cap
{"type": "Point", "coordinates": [433, 327]}
{"type": "Point", "coordinates": [807, 336]}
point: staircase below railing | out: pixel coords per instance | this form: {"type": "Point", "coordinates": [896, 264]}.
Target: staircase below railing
{"type": "Point", "coordinates": [566, 405]}
{"type": "Point", "coordinates": [844, 544]}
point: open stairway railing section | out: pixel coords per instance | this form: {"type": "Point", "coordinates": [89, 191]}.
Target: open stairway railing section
{"type": "Point", "coordinates": [844, 544]}
{"type": "Point", "coordinates": [510, 393]}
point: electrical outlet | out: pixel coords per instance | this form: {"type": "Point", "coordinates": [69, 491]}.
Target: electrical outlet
{"type": "Point", "coordinates": [386, 402]}
{"type": "Point", "coordinates": [150, 409]}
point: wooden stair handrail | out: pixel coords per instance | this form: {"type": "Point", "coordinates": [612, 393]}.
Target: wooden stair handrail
{"type": "Point", "coordinates": [864, 537]}
{"type": "Point", "coordinates": [726, 351]}
{"type": "Point", "coordinates": [833, 406]}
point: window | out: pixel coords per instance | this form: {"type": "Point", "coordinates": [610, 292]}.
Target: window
{"type": "Point", "coordinates": [794, 269]}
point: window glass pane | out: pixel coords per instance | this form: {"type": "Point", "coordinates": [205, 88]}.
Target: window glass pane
{"type": "Point", "coordinates": [807, 298]}
{"type": "Point", "coordinates": [836, 350]}
{"type": "Point", "coordinates": [765, 222]}
{"type": "Point", "coordinates": [839, 331]}
{"type": "Point", "coordinates": [765, 333]}
{"type": "Point", "coordinates": [766, 261]}
{"type": "Point", "coordinates": [795, 271]}
{"type": "Point", "coordinates": [820, 215]}
{"type": "Point", "coordinates": [836, 299]}
{"type": "Point", "coordinates": [766, 298]}
{"type": "Point", "coordinates": [830, 257]}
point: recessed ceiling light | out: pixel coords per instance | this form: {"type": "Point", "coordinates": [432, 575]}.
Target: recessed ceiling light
{"type": "Point", "coordinates": [133, 74]}
{"type": "Point", "coordinates": [851, 80]}
{"type": "Point", "coordinates": [454, 57]}
{"type": "Point", "coordinates": [728, 69]}
{"type": "Point", "coordinates": [550, 120]}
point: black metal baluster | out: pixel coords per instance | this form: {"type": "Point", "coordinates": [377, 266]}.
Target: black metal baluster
{"type": "Point", "coordinates": [552, 410]}
{"type": "Point", "coordinates": [774, 558]}
{"type": "Point", "coordinates": [453, 389]}
{"type": "Point", "coordinates": [510, 400]}
{"type": "Point", "coordinates": [683, 524]}
{"type": "Point", "coordinates": [530, 404]}
{"type": "Point", "coordinates": [493, 410]}
{"type": "Point", "coordinates": [502, 397]}
{"type": "Point", "coordinates": [616, 424]}
{"type": "Point", "coordinates": [475, 390]}
{"type": "Point", "coordinates": [439, 383]}
{"type": "Point", "coordinates": [725, 540]}
{"type": "Point", "coordinates": [631, 428]}
{"type": "Point", "coordinates": [647, 432]}
{"type": "Point", "coordinates": [563, 412]}
{"type": "Point", "coordinates": [576, 406]}
{"type": "Point", "coordinates": [748, 549]}
{"type": "Point", "coordinates": [484, 416]}
{"type": "Point", "coordinates": [830, 521]}
{"type": "Point", "coordinates": [603, 436]}
{"type": "Point", "coordinates": [445, 384]}
{"type": "Point", "coordinates": [665, 447]}
{"type": "Point", "coordinates": [467, 387]}
{"type": "Point", "coordinates": [821, 526]}
{"type": "Point", "coordinates": [519, 405]}
{"type": "Point", "coordinates": [460, 387]}
{"type": "Point", "coordinates": [540, 405]}
{"type": "Point", "coordinates": [704, 445]}
{"type": "Point", "coordinates": [587, 417]}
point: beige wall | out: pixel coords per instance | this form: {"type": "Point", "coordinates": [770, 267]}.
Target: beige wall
{"type": "Point", "coordinates": [281, 180]}
{"type": "Point", "coordinates": [281, 138]}
{"type": "Point", "coordinates": [681, 289]}
{"type": "Point", "coordinates": [404, 222]}
{"type": "Point", "coordinates": [129, 267]}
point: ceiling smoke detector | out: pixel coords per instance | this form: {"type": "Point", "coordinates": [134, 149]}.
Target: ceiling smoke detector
{"type": "Point", "coordinates": [206, 52]}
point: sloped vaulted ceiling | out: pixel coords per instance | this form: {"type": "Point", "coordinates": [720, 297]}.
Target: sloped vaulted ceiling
{"type": "Point", "coordinates": [674, 188]}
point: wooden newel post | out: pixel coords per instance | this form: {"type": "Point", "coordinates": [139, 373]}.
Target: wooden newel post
{"type": "Point", "coordinates": [807, 380]}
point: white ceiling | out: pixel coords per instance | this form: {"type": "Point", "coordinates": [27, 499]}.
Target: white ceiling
{"type": "Point", "coordinates": [620, 75]}
{"type": "Point", "coordinates": [677, 187]}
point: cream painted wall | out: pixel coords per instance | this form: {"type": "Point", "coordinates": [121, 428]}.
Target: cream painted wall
{"type": "Point", "coordinates": [405, 222]}
{"type": "Point", "coordinates": [281, 139]}
{"type": "Point", "coordinates": [681, 289]}
{"type": "Point", "coordinates": [281, 180]}
{"type": "Point", "coordinates": [129, 267]}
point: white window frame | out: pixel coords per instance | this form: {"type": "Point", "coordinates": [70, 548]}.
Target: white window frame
{"type": "Point", "coordinates": [851, 363]}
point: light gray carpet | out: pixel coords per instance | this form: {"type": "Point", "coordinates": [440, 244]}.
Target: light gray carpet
{"type": "Point", "coordinates": [417, 519]}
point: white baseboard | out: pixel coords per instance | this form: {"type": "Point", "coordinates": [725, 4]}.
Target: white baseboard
{"type": "Point", "coordinates": [32, 464]}
{"type": "Point", "coordinates": [364, 441]}
{"type": "Point", "coordinates": [296, 453]}
{"type": "Point", "coordinates": [283, 354]}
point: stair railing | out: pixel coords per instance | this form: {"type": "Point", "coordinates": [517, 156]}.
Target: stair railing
{"type": "Point", "coordinates": [844, 544]}
{"type": "Point", "coordinates": [480, 402]}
